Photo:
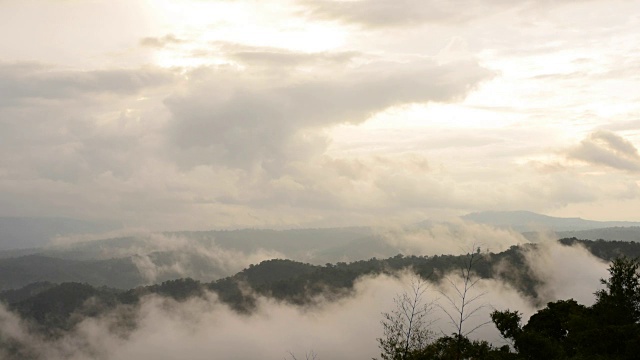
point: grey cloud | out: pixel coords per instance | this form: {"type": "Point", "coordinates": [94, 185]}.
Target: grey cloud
{"type": "Point", "coordinates": [64, 143]}
{"type": "Point", "coordinates": [616, 143]}
{"type": "Point", "coordinates": [30, 81]}
{"type": "Point", "coordinates": [381, 13]}
{"type": "Point", "coordinates": [238, 120]}
{"type": "Point", "coordinates": [277, 57]}
{"type": "Point", "coordinates": [399, 13]}
{"type": "Point", "coordinates": [388, 13]}
{"type": "Point", "coordinates": [77, 155]}
{"type": "Point", "coordinates": [160, 42]}
{"type": "Point", "coordinates": [606, 148]}
{"type": "Point", "coordinates": [271, 57]}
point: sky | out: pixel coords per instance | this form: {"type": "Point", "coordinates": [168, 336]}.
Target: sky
{"type": "Point", "coordinates": [201, 114]}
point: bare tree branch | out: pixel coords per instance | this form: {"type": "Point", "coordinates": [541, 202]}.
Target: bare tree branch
{"type": "Point", "coordinates": [461, 307]}
{"type": "Point", "coordinates": [407, 327]}
{"type": "Point", "coordinates": [311, 355]}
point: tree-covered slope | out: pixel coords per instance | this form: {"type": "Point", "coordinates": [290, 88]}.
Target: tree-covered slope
{"type": "Point", "coordinates": [18, 272]}
{"type": "Point", "coordinates": [283, 280]}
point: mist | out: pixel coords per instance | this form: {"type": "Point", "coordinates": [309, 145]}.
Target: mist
{"type": "Point", "coordinates": [188, 258]}
{"type": "Point", "coordinates": [162, 256]}
{"type": "Point", "coordinates": [455, 236]}
{"type": "Point", "coordinates": [342, 328]}
{"type": "Point", "coordinates": [211, 255]}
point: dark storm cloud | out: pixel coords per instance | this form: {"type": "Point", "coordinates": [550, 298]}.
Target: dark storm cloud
{"type": "Point", "coordinates": [607, 148]}
{"type": "Point", "coordinates": [240, 121]}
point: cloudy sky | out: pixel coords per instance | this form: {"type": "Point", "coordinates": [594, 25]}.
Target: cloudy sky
{"type": "Point", "coordinates": [200, 114]}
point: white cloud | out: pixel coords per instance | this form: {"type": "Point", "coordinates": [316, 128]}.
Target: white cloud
{"type": "Point", "coordinates": [453, 237]}
{"type": "Point", "coordinates": [566, 272]}
{"type": "Point", "coordinates": [254, 135]}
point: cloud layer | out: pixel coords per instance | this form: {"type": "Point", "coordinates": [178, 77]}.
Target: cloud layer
{"type": "Point", "coordinates": [317, 113]}
{"type": "Point", "coordinates": [343, 328]}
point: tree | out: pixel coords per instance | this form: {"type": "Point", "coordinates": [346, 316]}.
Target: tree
{"type": "Point", "coordinates": [449, 348]}
{"type": "Point", "coordinates": [616, 312]}
{"type": "Point", "coordinates": [406, 328]}
{"type": "Point", "coordinates": [508, 323]}
{"type": "Point", "coordinates": [463, 304]}
{"type": "Point", "coordinates": [621, 296]}
{"type": "Point", "coordinates": [551, 333]}
{"type": "Point", "coordinates": [564, 329]}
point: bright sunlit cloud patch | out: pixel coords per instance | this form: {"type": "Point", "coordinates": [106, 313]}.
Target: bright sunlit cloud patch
{"type": "Point", "coordinates": [200, 24]}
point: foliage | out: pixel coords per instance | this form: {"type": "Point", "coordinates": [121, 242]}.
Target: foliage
{"type": "Point", "coordinates": [21, 271]}
{"type": "Point", "coordinates": [508, 323]}
{"type": "Point", "coordinates": [610, 329]}
{"type": "Point", "coordinates": [454, 347]}
{"type": "Point", "coordinates": [61, 307]}
{"type": "Point", "coordinates": [621, 297]}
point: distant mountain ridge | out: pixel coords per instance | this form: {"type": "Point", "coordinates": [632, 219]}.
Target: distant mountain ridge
{"type": "Point", "coordinates": [618, 233]}
{"type": "Point", "coordinates": [525, 221]}
{"type": "Point", "coordinates": [21, 233]}
{"type": "Point", "coordinates": [202, 255]}
{"type": "Point", "coordinates": [209, 255]}
{"type": "Point", "coordinates": [62, 306]}
{"type": "Point", "coordinates": [29, 232]}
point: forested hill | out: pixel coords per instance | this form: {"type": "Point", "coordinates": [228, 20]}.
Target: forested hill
{"type": "Point", "coordinates": [59, 307]}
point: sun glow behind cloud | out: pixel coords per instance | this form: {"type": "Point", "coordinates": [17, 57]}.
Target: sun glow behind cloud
{"type": "Point", "coordinates": [328, 112]}
{"type": "Point", "coordinates": [201, 24]}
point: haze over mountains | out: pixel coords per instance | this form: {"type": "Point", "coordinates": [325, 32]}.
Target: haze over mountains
{"type": "Point", "coordinates": [536, 226]}
{"type": "Point", "coordinates": [146, 258]}
{"type": "Point", "coordinates": [27, 232]}
{"type": "Point", "coordinates": [119, 296]}
{"type": "Point", "coordinates": [525, 221]}
{"type": "Point", "coordinates": [80, 321]}
{"type": "Point", "coordinates": [24, 233]}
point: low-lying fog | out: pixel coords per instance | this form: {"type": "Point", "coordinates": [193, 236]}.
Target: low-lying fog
{"type": "Point", "coordinates": [203, 328]}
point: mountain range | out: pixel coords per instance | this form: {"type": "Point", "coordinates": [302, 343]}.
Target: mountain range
{"type": "Point", "coordinates": [151, 258]}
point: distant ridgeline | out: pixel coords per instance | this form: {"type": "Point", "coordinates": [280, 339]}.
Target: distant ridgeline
{"type": "Point", "coordinates": [54, 308]}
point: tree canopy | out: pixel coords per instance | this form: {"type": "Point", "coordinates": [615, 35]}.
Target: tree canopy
{"type": "Point", "coordinates": [564, 329]}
